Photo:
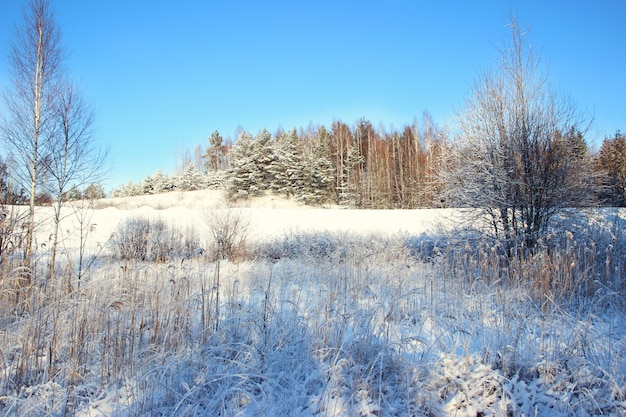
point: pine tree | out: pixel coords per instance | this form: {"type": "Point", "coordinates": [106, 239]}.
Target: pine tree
{"type": "Point", "coordinates": [285, 169]}
{"type": "Point", "coordinates": [243, 176]}
{"type": "Point", "coordinates": [148, 186]}
{"type": "Point", "coordinates": [263, 156]}
{"type": "Point", "coordinates": [161, 183]}
{"type": "Point", "coordinates": [215, 180]}
{"type": "Point", "coordinates": [129, 189]}
{"type": "Point", "coordinates": [94, 191]}
{"type": "Point", "coordinates": [611, 162]}
{"type": "Point", "coordinates": [73, 194]}
{"type": "Point", "coordinates": [318, 177]}
{"type": "Point", "coordinates": [190, 179]}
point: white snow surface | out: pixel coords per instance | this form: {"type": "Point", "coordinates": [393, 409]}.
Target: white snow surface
{"type": "Point", "coordinates": [268, 217]}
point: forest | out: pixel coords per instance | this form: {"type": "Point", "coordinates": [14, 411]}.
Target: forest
{"type": "Point", "coordinates": [359, 166]}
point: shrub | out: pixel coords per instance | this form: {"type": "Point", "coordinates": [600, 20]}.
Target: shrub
{"type": "Point", "coordinates": [298, 245]}
{"type": "Point", "coordinates": [424, 247]}
{"type": "Point", "coordinates": [228, 229]}
{"type": "Point", "coordinates": [153, 240]}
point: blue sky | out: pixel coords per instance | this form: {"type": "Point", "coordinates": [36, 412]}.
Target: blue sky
{"type": "Point", "coordinates": [162, 75]}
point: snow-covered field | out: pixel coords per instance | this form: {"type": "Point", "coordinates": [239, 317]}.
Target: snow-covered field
{"type": "Point", "coordinates": [353, 314]}
{"type": "Point", "coordinates": [268, 217]}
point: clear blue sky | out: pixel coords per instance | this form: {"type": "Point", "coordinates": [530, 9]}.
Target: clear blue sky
{"type": "Point", "coordinates": [162, 75]}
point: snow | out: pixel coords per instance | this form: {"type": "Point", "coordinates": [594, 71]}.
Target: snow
{"type": "Point", "coordinates": [364, 330]}
{"type": "Point", "coordinates": [268, 217]}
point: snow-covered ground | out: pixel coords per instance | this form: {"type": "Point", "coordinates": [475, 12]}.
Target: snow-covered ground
{"type": "Point", "coordinates": [267, 217]}
{"type": "Point", "coordinates": [352, 324]}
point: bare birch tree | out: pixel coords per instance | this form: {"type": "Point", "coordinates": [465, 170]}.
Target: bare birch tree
{"type": "Point", "coordinates": [75, 159]}
{"type": "Point", "coordinates": [36, 58]}
{"type": "Point", "coordinates": [512, 161]}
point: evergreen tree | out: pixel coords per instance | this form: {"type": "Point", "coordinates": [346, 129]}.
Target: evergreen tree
{"type": "Point", "coordinates": [318, 177]}
{"type": "Point", "coordinates": [611, 162]}
{"type": "Point", "coordinates": [243, 176]}
{"type": "Point", "coordinates": [161, 183]}
{"type": "Point", "coordinates": [263, 154]}
{"type": "Point", "coordinates": [215, 180]}
{"type": "Point", "coordinates": [285, 169]}
{"type": "Point", "coordinates": [190, 179]}
{"type": "Point", "coordinates": [73, 194]}
{"type": "Point", "coordinates": [94, 191]}
{"type": "Point", "coordinates": [129, 189]}
{"type": "Point", "coordinates": [148, 186]}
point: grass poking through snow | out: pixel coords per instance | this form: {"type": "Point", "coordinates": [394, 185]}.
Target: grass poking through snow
{"type": "Point", "coordinates": [323, 324]}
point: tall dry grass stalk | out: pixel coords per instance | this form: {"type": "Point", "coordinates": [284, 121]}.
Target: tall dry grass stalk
{"type": "Point", "coordinates": [570, 271]}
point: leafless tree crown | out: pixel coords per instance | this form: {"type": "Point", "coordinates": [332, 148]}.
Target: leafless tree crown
{"type": "Point", "coordinates": [519, 156]}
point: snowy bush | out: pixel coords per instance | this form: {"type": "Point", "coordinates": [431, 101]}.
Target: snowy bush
{"type": "Point", "coordinates": [229, 230]}
{"type": "Point", "coordinates": [158, 183]}
{"type": "Point", "coordinates": [299, 245]}
{"type": "Point", "coordinates": [424, 247]}
{"type": "Point", "coordinates": [153, 240]}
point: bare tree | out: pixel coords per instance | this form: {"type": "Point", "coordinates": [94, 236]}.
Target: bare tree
{"type": "Point", "coordinates": [513, 159]}
{"type": "Point", "coordinates": [36, 58]}
{"type": "Point", "coordinates": [75, 159]}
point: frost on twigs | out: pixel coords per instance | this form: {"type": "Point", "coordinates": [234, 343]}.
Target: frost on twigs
{"type": "Point", "coordinates": [228, 228]}
{"type": "Point", "coordinates": [153, 240]}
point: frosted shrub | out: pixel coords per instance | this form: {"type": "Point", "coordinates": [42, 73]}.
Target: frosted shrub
{"type": "Point", "coordinates": [298, 245]}
{"type": "Point", "coordinates": [153, 240]}
{"type": "Point", "coordinates": [229, 230]}
{"type": "Point", "coordinates": [425, 247]}
{"type": "Point", "coordinates": [329, 246]}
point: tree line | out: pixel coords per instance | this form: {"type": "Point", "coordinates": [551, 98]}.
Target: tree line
{"type": "Point", "coordinates": [358, 166]}
{"type": "Point", "coordinates": [363, 167]}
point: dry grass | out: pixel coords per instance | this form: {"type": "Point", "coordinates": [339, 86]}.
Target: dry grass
{"type": "Point", "coordinates": [321, 325]}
